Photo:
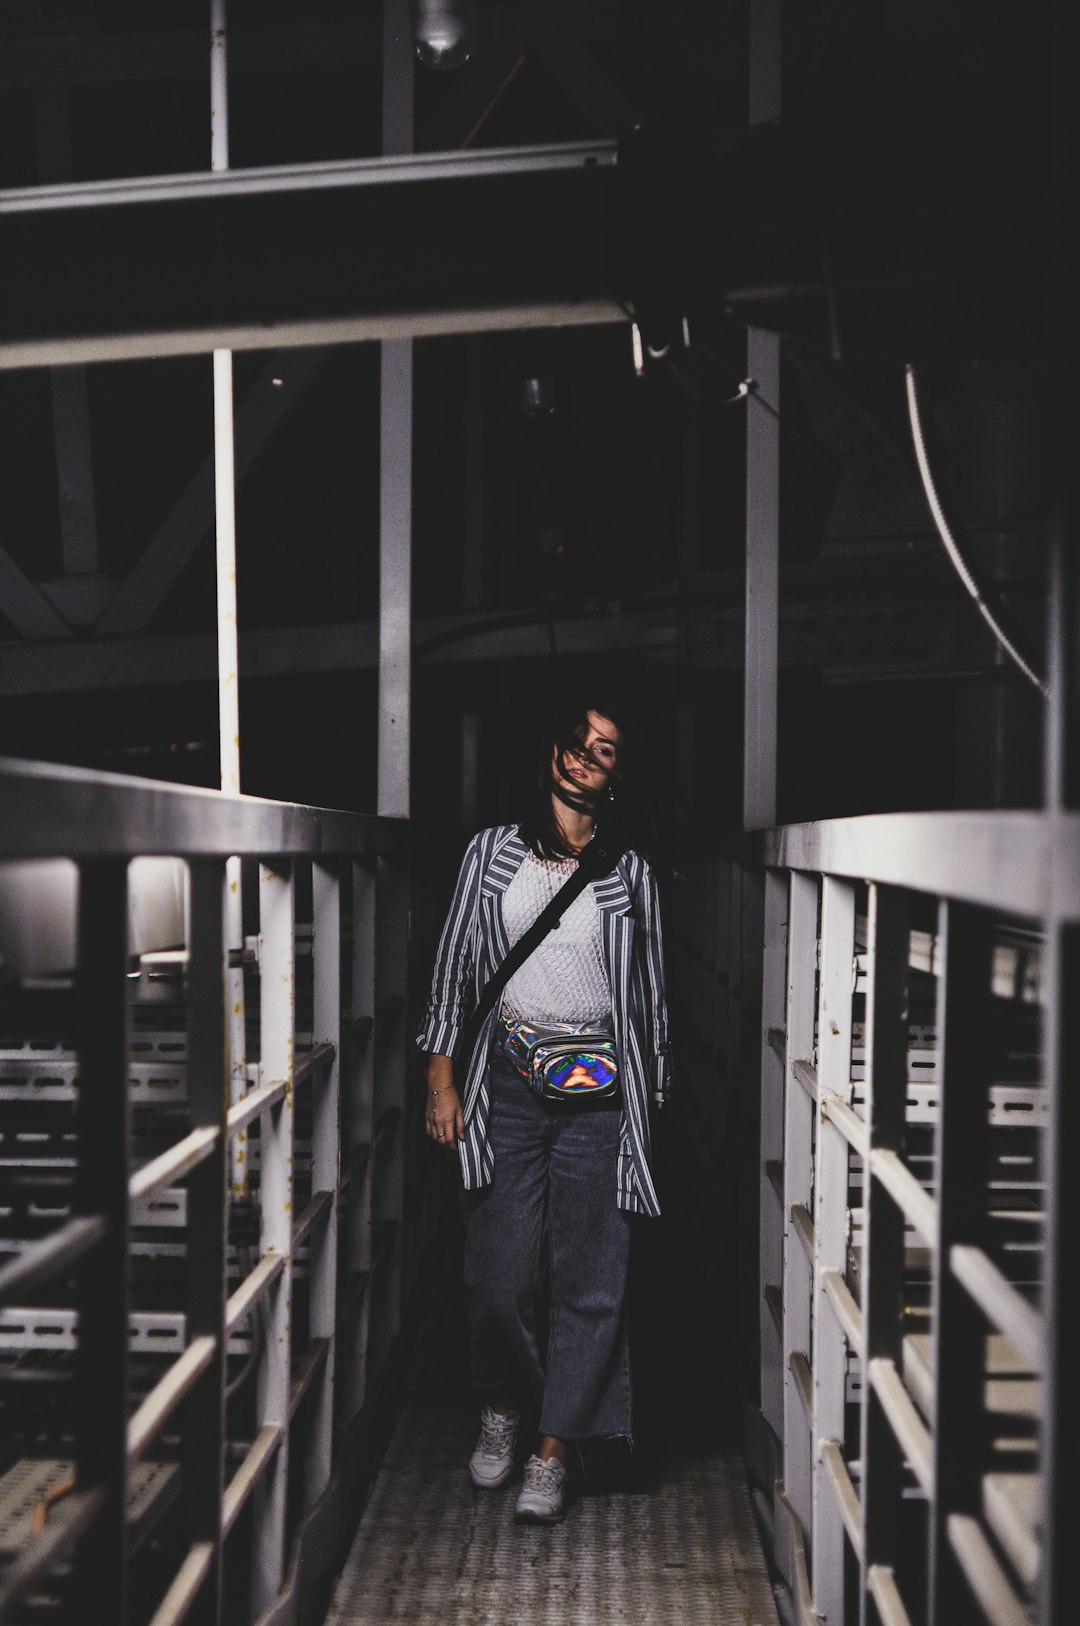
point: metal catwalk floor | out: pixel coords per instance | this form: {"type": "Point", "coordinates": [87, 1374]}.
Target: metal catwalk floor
{"type": "Point", "coordinates": [431, 1549]}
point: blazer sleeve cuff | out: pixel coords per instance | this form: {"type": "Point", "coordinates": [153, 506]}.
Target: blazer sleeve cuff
{"type": "Point", "coordinates": [660, 1076]}
{"type": "Point", "coordinates": [438, 1036]}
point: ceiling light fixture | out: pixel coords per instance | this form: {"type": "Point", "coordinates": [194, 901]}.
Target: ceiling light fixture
{"type": "Point", "coordinates": [444, 31]}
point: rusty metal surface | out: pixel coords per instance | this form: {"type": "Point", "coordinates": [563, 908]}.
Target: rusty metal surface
{"type": "Point", "coordinates": [432, 1549]}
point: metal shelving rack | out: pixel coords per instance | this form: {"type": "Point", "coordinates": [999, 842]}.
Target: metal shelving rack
{"type": "Point", "coordinates": [155, 1433]}
{"type": "Point", "coordinates": [908, 1189]}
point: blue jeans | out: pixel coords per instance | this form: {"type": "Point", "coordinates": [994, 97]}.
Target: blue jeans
{"type": "Point", "coordinates": [554, 1186]}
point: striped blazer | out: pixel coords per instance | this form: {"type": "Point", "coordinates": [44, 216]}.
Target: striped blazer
{"type": "Point", "coordinates": [472, 946]}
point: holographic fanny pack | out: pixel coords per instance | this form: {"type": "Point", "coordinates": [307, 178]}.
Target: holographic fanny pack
{"type": "Point", "coordinates": [563, 1061]}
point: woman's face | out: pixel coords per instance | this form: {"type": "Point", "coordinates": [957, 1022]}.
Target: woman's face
{"type": "Point", "coordinates": [592, 764]}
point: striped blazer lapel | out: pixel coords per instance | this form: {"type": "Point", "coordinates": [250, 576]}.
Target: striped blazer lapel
{"type": "Point", "coordinates": [617, 920]}
{"type": "Point", "coordinates": [505, 862]}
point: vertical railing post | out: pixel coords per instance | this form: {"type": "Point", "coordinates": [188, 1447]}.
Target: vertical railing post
{"type": "Point", "coordinates": [883, 1245]}
{"type": "Point", "coordinates": [798, 1184]}
{"type": "Point", "coordinates": [388, 1156]}
{"type": "Point", "coordinates": [325, 1168]}
{"type": "Point", "coordinates": [358, 1087]}
{"type": "Point", "coordinates": [103, 1127]}
{"type": "Point", "coordinates": [961, 1150]}
{"type": "Point", "coordinates": [207, 1222]}
{"type": "Point", "coordinates": [830, 1235]}
{"type": "Point", "coordinates": [761, 663]}
{"type": "Point", "coordinates": [277, 1016]}
{"type": "Point", "coordinates": [771, 1228]}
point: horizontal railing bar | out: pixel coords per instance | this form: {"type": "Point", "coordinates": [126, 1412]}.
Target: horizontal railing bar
{"type": "Point", "coordinates": [318, 1206]}
{"type": "Point", "coordinates": [51, 1254]}
{"type": "Point", "coordinates": [836, 1472]}
{"type": "Point", "coordinates": [66, 1523]}
{"type": "Point", "coordinates": [250, 1105]}
{"type": "Point", "coordinates": [173, 1164]}
{"type": "Point", "coordinates": [1000, 1302]}
{"type": "Point", "coordinates": [249, 1473]}
{"type": "Point", "coordinates": [1011, 1505]}
{"type": "Point", "coordinates": [851, 1126]}
{"type": "Point", "coordinates": [804, 1228]}
{"type": "Point", "coordinates": [314, 1357]}
{"type": "Point", "coordinates": [185, 1585]}
{"type": "Point", "coordinates": [984, 1572]}
{"type": "Point", "coordinates": [911, 1432]}
{"type": "Point", "coordinates": [805, 1073]}
{"type": "Point", "coordinates": [252, 1288]}
{"type": "Point", "coordinates": [312, 1061]}
{"type": "Point", "coordinates": [799, 1367]}
{"type": "Point", "coordinates": [881, 1583]}
{"type": "Point", "coordinates": [50, 811]}
{"type": "Point", "coordinates": [914, 1202]}
{"type": "Point", "coordinates": [1007, 860]}
{"type": "Point", "coordinates": [844, 1305]}
{"type": "Point", "coordinates": [167, 1394]}
{"type": "Point", "coordinates": [776, 1039]}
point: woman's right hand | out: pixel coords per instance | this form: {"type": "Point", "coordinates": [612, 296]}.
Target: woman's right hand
{"type": "Point", "coordinates": [444, 1122]}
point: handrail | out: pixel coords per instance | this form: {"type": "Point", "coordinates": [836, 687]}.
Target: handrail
{"type": "Point", "coordinates": [911, 1432]}
{"type": "Point", "coordinates": [836, 1473]}
{"type": "Point", "coordinates": [185, 1584]}
{"type": "Point", "coordinates": [172, 1164]}
{"type": "Point", "coordinates": [50, 1254]}
{"type": "Point", "coordinates": [252, 1288]}
{"type": "Point", "coordinates": [250, 1471]}
{"type": "Point", "coordinates": [1000, 859]}
{"type": "Point", "coordinates": [49, 811]}
{"type": "Point", "coordinates": [66, 1524]}
{"type": "Point", "coordinates": [1000, 1302]}
{"type": "Point", "coordinates": [167, 1394]}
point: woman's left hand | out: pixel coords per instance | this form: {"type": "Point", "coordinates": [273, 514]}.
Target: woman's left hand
{"type": "Point", "coordinates": [444, 1121]}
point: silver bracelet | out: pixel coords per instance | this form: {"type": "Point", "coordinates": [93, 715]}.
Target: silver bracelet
{"type": "Point", "coordinates": [440, 1089]}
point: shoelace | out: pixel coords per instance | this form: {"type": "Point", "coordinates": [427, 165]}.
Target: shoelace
{"type": "Point", "coordinates": [544, 1475]}
{"type": "Point", "coordinates": [496, 1431]}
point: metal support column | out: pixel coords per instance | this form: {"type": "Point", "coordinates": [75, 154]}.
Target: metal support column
{"type": "Point", "coordinates": [325, 1169]}
{"type": "Point", "coordinates": [965, 1050]}
{"type": "Point", "coordinates": [277, 978]}
{"type": "Point", "coordinates": [358, 1094]}
{"type": "Point", "coordinates": [395, 463]}
{"type": "Point", "coordinates": [830, 1235]}
{"type": "Point", "coordinates": [798, 1187]}
{"type": "Point", "coordinates": [771, 1228]}
{"type": "Point", "coordinates": [207, 1227]}
{"type": "Point", "coordinates": [883, 1245]}
{"type": "Point", "coordinates": [102, 1298]}
{"type": "Point", "coordinates": [762, 485]}
{"type": "Point", "coordinates": [228, 651]}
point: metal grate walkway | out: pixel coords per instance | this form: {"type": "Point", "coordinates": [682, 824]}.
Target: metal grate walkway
{"type": "Point", "coordinates": [431, 1549]}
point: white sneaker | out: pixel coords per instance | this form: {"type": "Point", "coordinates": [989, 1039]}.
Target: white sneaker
{"type": "Point", "coordinates": [492, 1463]}
{"type": "Point", "coordinates": [543, 1495]}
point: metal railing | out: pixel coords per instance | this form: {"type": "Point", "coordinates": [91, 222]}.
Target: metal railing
{"type": "Point", "coordinates": [286, 1199]}
{"type": "Point", "coordinates": [915, 999]}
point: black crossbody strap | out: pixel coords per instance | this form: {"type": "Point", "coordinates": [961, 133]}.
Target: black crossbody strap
{"type": "Point", "coordinates": [599, 858]}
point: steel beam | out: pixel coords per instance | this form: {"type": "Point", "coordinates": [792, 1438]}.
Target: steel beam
{"type": "Point", "coordinates": [384, 248]}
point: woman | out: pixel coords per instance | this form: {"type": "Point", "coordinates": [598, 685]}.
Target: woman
{"type": "Point", "coordinates": [540, 1175]}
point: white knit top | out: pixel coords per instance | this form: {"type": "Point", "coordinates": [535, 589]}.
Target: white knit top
{"type": "Point", "coordinates": [564, 979]}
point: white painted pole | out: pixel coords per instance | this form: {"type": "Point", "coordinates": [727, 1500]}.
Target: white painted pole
{"type": "Point", "coordinates": [227, 645]}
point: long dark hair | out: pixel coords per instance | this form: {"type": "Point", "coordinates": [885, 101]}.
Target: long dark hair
{"type": "Point", "coordinates": [617, 806]}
